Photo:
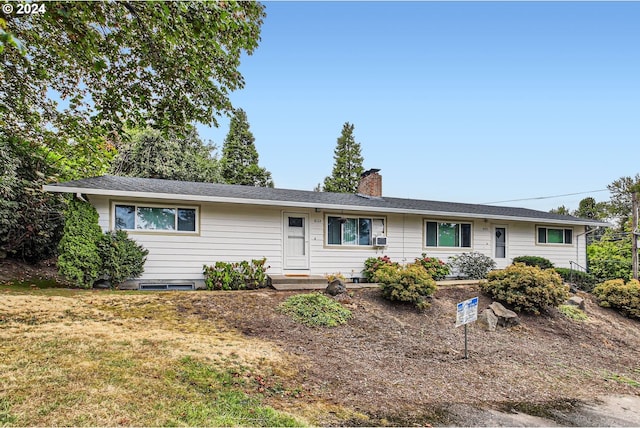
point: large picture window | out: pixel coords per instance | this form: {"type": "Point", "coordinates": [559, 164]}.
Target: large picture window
{"type": "Point", "coordinates": [353, 230]}
{"type": "Point", "coordinates": [154, 218]}
{"type": "Point", "coordinates": [443, 234]}
{"type": "Point", "coordinates": [551, 235]}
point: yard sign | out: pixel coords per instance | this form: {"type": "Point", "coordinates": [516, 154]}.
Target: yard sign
{"type": "Point", "coordinates": [467, 313]}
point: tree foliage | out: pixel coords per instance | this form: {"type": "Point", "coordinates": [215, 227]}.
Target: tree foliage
{"type": "Point", "coordinates": [31, 220]}
{"type": "Point", "coordinates": [347, 166]}
{"type": "Point", "coordinates": [239, 162]}
{"type": "Point", "coordinates": [88, 70]}
{"type": "Point", "coordinates": [151, 154]}
{"type": "Point", "coordinates": [610, 257]}
{"type": "Point", "coordinates": [620, 205]}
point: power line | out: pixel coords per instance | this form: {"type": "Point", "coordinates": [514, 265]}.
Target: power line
{"type": "Point", "coordinates": [546, 197]}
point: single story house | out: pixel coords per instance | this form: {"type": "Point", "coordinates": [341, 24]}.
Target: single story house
{"type": "Point", "coordinates": [186, 225]}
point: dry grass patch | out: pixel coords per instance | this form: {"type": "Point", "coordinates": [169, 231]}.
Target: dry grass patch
{"type": "Point", "coordinates": [127, 359]}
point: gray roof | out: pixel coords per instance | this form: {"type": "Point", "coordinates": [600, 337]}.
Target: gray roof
{"type": "Point", "coordinates": [215, 192]}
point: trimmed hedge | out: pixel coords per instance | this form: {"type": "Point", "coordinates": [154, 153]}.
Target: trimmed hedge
{"type": "Point", "coordinates": [540, 262]}
{"type": "Point", "coordinates": [582, 280]}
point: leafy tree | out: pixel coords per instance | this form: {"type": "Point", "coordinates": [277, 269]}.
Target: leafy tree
{"type": "Point", "coordinates": [589, 208]}
{"type": "Point", "coordinates": [610, 257]}
{"type": "Point", "coordinates": [151, 154]}
{"type": "Point", "coordinates": [31, 220]}
{"type": "Point", "coordinates": [620, 205]}
{"type": "Point", "coordinates": [560, 210]}
{"type": "Point", "coordinates": [76, 76]}
{"type": "Point", "coordinates": [347, 166]}
{"type": "Point", "coordinates": [239, 162]}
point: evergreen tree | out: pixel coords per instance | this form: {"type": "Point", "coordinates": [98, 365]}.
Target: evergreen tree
{"type": "Point", "coordinates": [239, 162]}
{"type": "Point", "coordinates": [347, 166]}
{"type": "Point", "coordinates": [150, 154]}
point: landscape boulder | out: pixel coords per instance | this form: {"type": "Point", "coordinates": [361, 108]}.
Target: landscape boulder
{"type": "Point", "coordinates": [488, 320]}
{"type": "Point", "coordinates": [576, 301]}
{"type": "Point", "coordinates": [506, 317]}
{"type": "Point", "coordinates": [335, 287]}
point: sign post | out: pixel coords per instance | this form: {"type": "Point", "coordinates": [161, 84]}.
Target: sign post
{"type": "Point", "coordinates": [467, 313]}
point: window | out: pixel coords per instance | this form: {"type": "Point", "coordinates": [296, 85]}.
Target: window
{"type": "Point", "coordinates": [157, 218]}
{"type": "Point", "coordinates": [453, 235]}
{"type": "Point", "coordinates": [548, 235]}
{"type": "Point", "coordinates": [353, 230]}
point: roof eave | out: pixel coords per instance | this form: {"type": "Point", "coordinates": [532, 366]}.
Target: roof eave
{"type": "Point", "coordinates": [245, 201]}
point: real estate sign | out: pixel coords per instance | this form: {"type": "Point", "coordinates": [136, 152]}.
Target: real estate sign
{"type": "Point", "coordinates": [467, 312]}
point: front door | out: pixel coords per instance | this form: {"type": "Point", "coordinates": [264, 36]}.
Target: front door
{"type": "Point", "coordinates": [500, 242]}
{"type": "Point", "coordinates": [296, 241]}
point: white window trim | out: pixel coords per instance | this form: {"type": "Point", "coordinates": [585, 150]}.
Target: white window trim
{"type": "Point", "coordinates": [557, 244]}
{"type": "Point", "coordinates": [156, 205]}
{"type": "Point", "coordinates": [439, 247]}
{"type": "Point", "coordinates": [356, 216]}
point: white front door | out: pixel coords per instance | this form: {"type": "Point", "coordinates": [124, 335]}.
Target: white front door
{"type": "Point", "coordinates": [296, 241]}
{"type": "Point", "coordinates": [500, 246]}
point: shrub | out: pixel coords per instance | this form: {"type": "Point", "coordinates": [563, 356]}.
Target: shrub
{"type": "Point", "coordinates": [372, 264]}
{"type": "Point", "coordinates": [406, 284]}
{"type": "Point", "coordinates": [236, 276]}
{"type": "Point", "coordinates": [572, 312]}
{"type": "Point", "coordinates": [617, 294]}
{"type": "Point", "coordinates": [121, 257]}
{"type": "Point", "coordinates": [540, 262]}
{"type": "Point", "coordinates": [610, 259]}
{"type": "Point", "coordinates": [472, 265]}
{"type": "Point", "coordinates": [315, 310]}
{"type": "Point", "coordinates": [79, 260]}
{"type": "Point", "coordinates": [435, 267]}
{"type": "Point", "coordinates": [526, 288]}
{"type": "Point", "coordinates": [582, 280]}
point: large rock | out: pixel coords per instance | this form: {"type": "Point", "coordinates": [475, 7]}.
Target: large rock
{"type": "Point", "coordinates": [335, 287]}
{"type": "Point", "coordinates": [488, 320]}
{"type": "Point", "coordinates": [506, 317]}
{"type": "Point", "coordinates": [576, 301]}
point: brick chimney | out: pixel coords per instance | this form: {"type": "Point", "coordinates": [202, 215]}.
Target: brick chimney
{"type": "Point", "coordinates": [370, 184]}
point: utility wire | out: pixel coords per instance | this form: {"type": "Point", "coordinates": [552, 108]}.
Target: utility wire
{"type": "Point", "coordinates": [545, 197]}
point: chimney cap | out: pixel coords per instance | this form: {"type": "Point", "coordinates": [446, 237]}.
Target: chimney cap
{"type": "Point", "coordinates": [369, 172]}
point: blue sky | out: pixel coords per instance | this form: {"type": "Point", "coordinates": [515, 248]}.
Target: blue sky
{"type": "Point", "coordinates": [455, 101]}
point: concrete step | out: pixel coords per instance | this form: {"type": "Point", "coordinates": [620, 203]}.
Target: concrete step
{"type": "Point", "coordinates": [308, 282]}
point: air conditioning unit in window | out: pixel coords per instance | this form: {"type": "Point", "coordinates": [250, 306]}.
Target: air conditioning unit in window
{"type": "Point", "coordinates": [380, 241]}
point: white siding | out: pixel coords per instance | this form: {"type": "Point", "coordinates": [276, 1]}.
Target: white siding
{"type": "Point", "coordinates": [231, 232]}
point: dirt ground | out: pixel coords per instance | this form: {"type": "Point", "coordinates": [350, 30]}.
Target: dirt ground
{"type": "Point", "coordinates": [404, 367]}
{"type": "Point", "coordinates": [399, 366]}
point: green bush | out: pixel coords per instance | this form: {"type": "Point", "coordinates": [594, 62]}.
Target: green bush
{"type": "Point", "coordinates": [121, 257]}
{"type": "Point", "coordinates": [582, 280]}
{"type": "Point", "coordinates": [236, 276]}
{"type": "Point", "coordinates": [610, 259]}
{"type": "Point", "coordinates": [86, 253]}
{"type": "Point", "coordinates": [573, 312]}
{"type": "Point", "coordinates": [372, 264]}
{"type": "Point", "coordinates": [79, 260]}
{"type": "Point", "coordinates": [315, 310]}
{"type": "Point", "coordinates": [473, 265]}
{"type": "Point", "coordinates": [435, 267]}
{"type": "Point", "coordinates": [540, 262]}
{"type": "Point", "coordinates": [526, 288]}
{"type": "Point", "coordinates": [406, 284]}
{"type": "Point", "coordinates": [617, 294]}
